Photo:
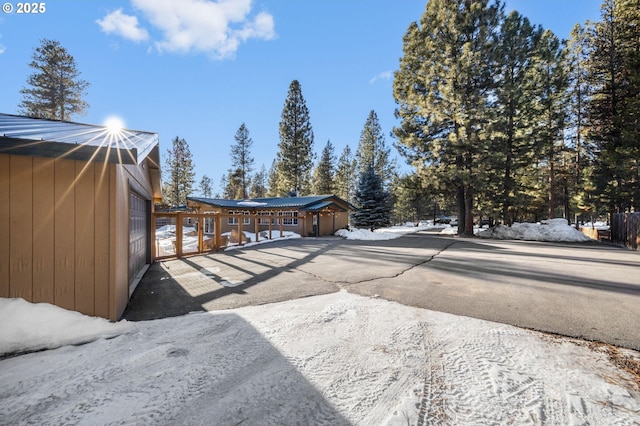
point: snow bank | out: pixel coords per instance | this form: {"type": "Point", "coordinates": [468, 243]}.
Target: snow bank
{"type": "Point", "coordinates": [555, 230]}
{"type": "Point", "coordinates": [383, 233]}
{"type": "Point", "coordinates": [365, 234]}
{"type": "Point", "coordinates": [30, 327]}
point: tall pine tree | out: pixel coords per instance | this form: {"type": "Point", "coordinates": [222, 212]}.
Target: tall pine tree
{"type": "Point", "coordinates": [259, 184]}
{"type": "Point", "coordinates": [179, 174]}
{"type": "Point", "coordinates": [441, 90]}
{"type": "Point", "coordinates": [56, 92]}
{"type": "Point", "coordinates": [551, 104]}
{"type": "Point", "coordinates": [242, 161]}
{"type": "Point", "coordinates": [509, 154]}
{"type": "Point", "coordinates": [614, 108]}
{"type": "Point", "coordinates": [323, 175]}
{"type": "Point", "coordinates": [372, 150]}
{"type": "Point", "coordinates": [205, 186]}
{"type": "Point", "coordinates": [577, 54]}
{"type": "Point", "coordinates": [345, 176]}
{"type": "Point", "coordinates": [295, 156]}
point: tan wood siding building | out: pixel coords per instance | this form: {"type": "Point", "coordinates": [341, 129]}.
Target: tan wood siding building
{"type": "Point", "coordinates": [65, 213]}
{"type": "Point", "coordinates": [314, 215]}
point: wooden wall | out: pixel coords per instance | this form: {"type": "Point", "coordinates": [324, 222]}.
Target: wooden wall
{"type": "Point", "coordinates": [55, 232]}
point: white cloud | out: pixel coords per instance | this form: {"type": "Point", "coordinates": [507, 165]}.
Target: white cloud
{"type": "Point", "coordinates": [385, 75]}
{"type": "Point", "coordinates": [123, 25]}
{"type": "Point", "coordinates": [216, 28]}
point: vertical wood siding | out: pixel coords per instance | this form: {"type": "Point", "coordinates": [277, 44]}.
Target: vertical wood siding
{"type": "Point", "coordinates": [102, 208]}
{"type": "Point", "coordinates": [64, 234]}
{"type": "Point", "coordinates": [55, 232]}
{"type": "Point", "coordinates": [21, 227]}
{"type": "Point", "coordinates": [84, 238]}
{"type": "Point", "coordinates": [43, 229]}
{"type": "Point", "coordinates": [5, 247]}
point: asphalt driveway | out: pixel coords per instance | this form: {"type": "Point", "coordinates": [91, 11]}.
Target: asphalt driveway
{"type": "Point", "coordinates": [585, 290]}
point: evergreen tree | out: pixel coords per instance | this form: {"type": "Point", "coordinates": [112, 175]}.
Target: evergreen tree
{"type": "Point", "coordinates": [242, 161]}
{"type": "Point", "coordinates": [55, 91]}
{"type": "Point", "coordinates": [412, 201]}
{"type": "Point", "coordinates": [272, 180]}
{"type": "Point", "coordinates": [233, 190]}
{"type": "Point", "coordinates": [614, 108]}
{"type": "Point", "coordinates": [222, 187]}
{"type": "Point", "coordinates": [372, 202]}
{"type": "Point", "coordinates": [295, 156]}
{"type": "Point", "coordinates": [179, 174]}
{"type": "Point", "coordinates": [345, 176]}
{"type": "Point", "coordinates": [551, 102]}
{"type": "Point", "coordinates": [510, 152]}
{"type": "Point", "coordinates": [441, 89]}
{"type": "Point", "coordinates": [323, 175]}
{"type": "Point", "coordinates": [576, 57]}
{"type": "Point", "coordinates": [373, 150]}
{"type": "Point", "coordinates": [205, 186]}
{"type": "Point", "coordinates": [259, 184]}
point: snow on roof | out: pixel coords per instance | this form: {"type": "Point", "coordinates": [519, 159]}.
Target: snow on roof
{"type": "Point", "coordinates": [249, 203]}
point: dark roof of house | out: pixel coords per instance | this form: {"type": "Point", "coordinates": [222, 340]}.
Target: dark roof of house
{"type": "Point", "coordinates": [309, 203]}
{"type": "Point", "coordinates": [76, 141]}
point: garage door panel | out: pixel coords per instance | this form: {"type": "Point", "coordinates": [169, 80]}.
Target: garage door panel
{"type": "Point", "coordinates": [138, 239]}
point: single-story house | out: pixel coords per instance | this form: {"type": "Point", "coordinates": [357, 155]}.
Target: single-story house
{"type": "Point", "coordinates": [75, 212]}
{"type": "Point", "coordinates": [313, 215]}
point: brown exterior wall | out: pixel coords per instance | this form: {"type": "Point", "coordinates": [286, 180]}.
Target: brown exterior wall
{"type": "Point", "coordinates": [329, 222]}
{"type": "Point", "coordinates": [64, 232]}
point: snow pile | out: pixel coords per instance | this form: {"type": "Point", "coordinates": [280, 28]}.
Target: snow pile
{"type": "Point", "coordinates": [365, 234]}
{"type": "Point", "coordinates": [334, 359]}
{"type": "Point", "coordinates": [383, 233]}
{"type": "Point", "coordinates": [554, 230]}
{"type": "Point", "coordinates": [264, 238]}
{"type": "Point", "coordinates": [30, 327]}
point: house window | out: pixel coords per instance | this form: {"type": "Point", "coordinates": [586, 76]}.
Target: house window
{"type": "Point", "coordinates": [265, 218]}
{"type": "Point", "coordinates": [209, 224]}
{"type": "Point", "coordinates": [289, 218]}
{"type": "Point", "coordinates": [234, 220]}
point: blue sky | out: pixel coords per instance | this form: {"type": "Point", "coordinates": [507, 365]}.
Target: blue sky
{"type": "Point", "coordinates": [198, 71]}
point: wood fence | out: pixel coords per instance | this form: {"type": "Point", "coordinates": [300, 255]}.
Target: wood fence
{"type": "Point", "coordinates": [175, 235]}
{"type": "Point", "coordinates": [625, 229]}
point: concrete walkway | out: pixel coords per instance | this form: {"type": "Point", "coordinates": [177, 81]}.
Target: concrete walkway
{"type": "Point", "coordinates": [585, 290]}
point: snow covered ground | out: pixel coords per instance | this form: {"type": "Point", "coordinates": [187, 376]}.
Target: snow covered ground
{"type": "Point", "coordinates": [323, 360]}
{"type": "Point", "coordinates": [553, 230]}
{"type": "Point", "coordinates": [166, 238]}
{"type": "Point", "coordinates": [385, 233]}
{"type": "Point", "coordinates": [547, 230]}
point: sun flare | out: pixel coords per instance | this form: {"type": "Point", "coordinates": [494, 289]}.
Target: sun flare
{"type": "Point", "coordinates": [114, 124]}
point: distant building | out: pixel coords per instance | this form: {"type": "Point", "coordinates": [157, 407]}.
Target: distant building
{"type": "Point", "coordinates": [75, 212]}
{"type": "Point", "coordinates": [314, 215]}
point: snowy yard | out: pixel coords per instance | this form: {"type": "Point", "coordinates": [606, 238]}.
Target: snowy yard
{"type": "Point", "coordinates": [324, 360]}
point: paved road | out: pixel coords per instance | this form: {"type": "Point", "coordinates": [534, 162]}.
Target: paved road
{"type": "Point", "coordinates": [587, 290]}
